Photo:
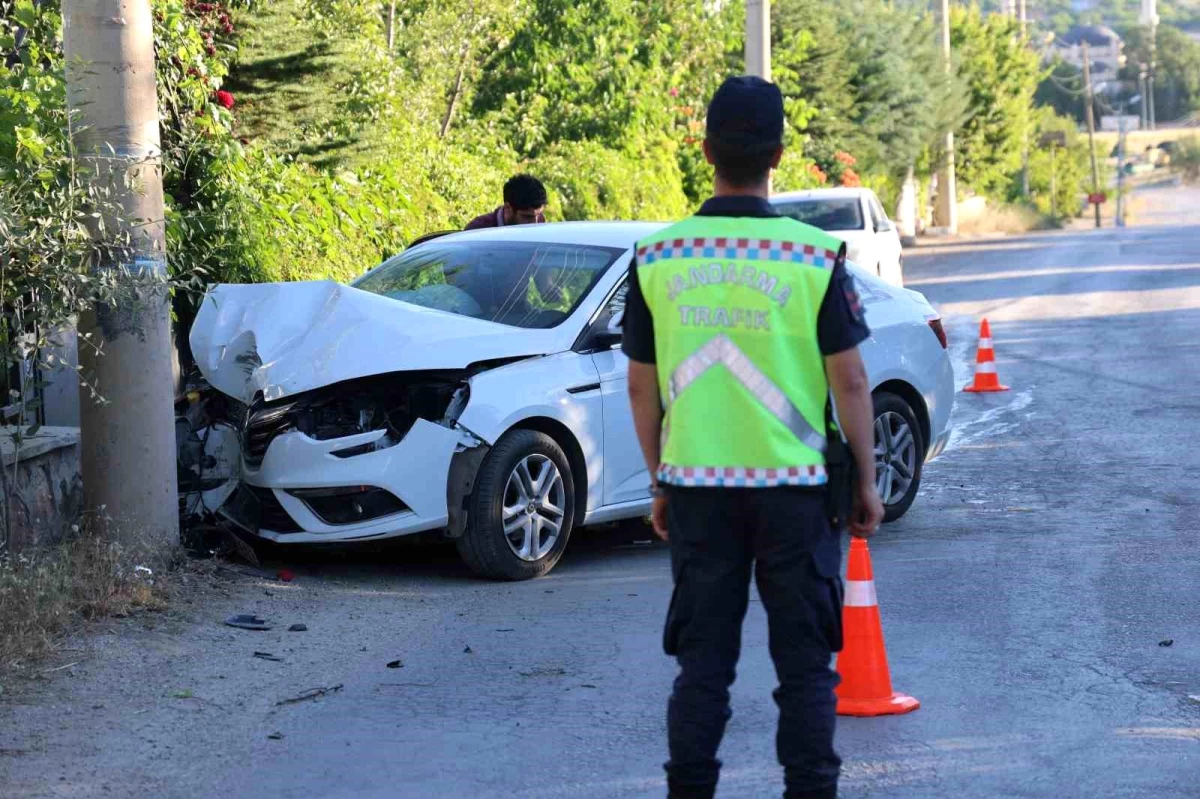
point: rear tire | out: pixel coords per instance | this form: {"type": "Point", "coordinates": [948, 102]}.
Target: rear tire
{"type": "Point", "coordinates": [899, 454]}
{"type": "Point", "coordinates": [522, 509]}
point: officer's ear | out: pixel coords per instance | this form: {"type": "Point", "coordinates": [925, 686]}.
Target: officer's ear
{"type": "Point", "coordinates": [708, 153]}
{"type": "Point", "coordinates": [778, 155]}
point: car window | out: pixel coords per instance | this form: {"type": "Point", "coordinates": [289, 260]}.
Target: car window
{"type": "Point", "coordinates": [826, 213]}
{"type": "Point", "coordinates": [877, 217]}
{"type": "Point", "coordinates": [518, 283]}
{"type": "Point", "coordinates": [615, 307]}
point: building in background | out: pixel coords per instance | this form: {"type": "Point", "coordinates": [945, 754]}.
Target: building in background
{"type": "Point", "coordinates": [1106, 48]}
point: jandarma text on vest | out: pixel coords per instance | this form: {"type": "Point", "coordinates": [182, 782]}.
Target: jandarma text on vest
{"type": "Point", "coordinates": [761, 281]}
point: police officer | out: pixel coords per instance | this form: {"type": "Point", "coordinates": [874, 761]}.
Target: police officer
{"type": "Point", "coordinates": [738, 323]}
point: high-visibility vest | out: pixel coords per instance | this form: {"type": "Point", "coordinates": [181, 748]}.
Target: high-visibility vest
{"type": "Point", "coordinates": [735, 302]}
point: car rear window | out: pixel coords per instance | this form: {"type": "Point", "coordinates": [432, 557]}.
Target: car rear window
{"type": "Point", "coordinates": [826, 213]}
{"type": "Point", "coordinates": [518, 283]}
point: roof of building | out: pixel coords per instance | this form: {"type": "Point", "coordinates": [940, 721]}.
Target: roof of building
{"type": "Point", "coordinates": [1094, 35]}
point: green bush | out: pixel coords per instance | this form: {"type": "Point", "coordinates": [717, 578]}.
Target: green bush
{"type": "Point", "coordinates": [590, 181]}
{"type": "Point", "coordinates": [1071, 174]}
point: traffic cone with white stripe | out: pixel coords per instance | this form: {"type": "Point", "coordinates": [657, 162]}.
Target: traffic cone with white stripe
{"type": "Point", "coordinates": [866, 687]}
{"type": "Point", "coordinates": [986, 379]}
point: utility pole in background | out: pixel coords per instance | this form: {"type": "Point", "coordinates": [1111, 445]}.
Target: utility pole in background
{"type": "Point", "coordinates": [946, 209]}
{"type": "Point", "coordinates": [127, 447]}
{"type": "Point", "coordinates": [391, 26]}
{"type": "Point", "coordinates": [1148, 18]}
{"type": "Point", "coordinates": [1144, 121]}
{"type": "Point", "coordinates": [758, 38]}
{"type": "Point", "coordinates": [758, 43]}
{"type": "Point", "coordinates": [1091, 123]}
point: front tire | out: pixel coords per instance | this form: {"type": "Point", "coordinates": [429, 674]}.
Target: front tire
{"type": "Point", "coordinates": [899, 454]}
{"type": "Point", "coordinates": [522, 509]}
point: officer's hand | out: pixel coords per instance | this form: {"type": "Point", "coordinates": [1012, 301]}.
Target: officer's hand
{"type": "Point", "coordinates": [658, 517]}
{"type": "Point", "coordinates": [868, 511]}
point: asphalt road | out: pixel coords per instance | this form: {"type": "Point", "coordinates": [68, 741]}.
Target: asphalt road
{"type": "Point", "coordinates": [1024, 599]}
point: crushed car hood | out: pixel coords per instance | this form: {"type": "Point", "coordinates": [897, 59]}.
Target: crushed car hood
{"type": "Point", "coordinates": [285, 338]}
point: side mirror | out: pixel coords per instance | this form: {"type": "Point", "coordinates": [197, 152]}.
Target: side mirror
{"type": "Point", "coordinates": [615, 321]}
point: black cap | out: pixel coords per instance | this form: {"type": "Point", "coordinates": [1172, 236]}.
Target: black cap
{"type": "Point", "coordinates": [746, 112]}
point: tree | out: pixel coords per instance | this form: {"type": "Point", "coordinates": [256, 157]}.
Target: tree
{"type": "Point", "coordinates": [1177, 70]}
{"type": "Point", "coordinates": [1062, 90]}
{"type": "Point", "coordinates": [1001, 75]}
{"type": "Point", "coordinates": [903, 98]}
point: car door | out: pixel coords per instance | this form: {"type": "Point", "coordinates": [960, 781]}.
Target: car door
{"type": "Point", "coordinates": [626, 478]}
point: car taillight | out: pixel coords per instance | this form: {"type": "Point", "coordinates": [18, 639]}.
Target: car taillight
{"type": "Point", "coordinates": [935, 324]}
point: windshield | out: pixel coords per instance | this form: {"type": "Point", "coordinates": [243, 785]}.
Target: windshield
{"type": "Point", "coordinates": [518, 283]}
{"type": "Point", "coordinates": [844, 213]}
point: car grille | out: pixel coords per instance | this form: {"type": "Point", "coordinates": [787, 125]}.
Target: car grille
{"type": "Point", "coordinates": [263, 424]}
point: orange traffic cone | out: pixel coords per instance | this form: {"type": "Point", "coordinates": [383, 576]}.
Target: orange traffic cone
{"type": "Point", "coordinates": [866, 687]}
{"type": "Point", "coordinates": [986, 380]}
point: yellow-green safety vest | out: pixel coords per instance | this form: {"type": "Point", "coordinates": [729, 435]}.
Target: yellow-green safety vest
{"type": "Point", "coordinates": [735, 302]}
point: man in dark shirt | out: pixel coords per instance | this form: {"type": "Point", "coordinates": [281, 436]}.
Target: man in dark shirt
{"type": "Point", "coordinates": [723, 526]}
{"type": "Point", "coordinates": [524, 202]}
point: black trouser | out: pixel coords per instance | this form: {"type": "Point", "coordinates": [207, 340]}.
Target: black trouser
{"type": "Point", "coordinates": [716, 536]}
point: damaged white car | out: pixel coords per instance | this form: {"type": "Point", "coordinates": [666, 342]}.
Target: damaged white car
{"type": "Point", "coordinates": [474, 384]}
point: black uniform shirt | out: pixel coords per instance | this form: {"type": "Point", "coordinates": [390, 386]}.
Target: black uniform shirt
{"type": "Point", "coordinates": [840, 323]}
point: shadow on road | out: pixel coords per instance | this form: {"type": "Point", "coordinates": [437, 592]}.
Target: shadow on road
{"type": "Point", "coordinates": [432, 559]}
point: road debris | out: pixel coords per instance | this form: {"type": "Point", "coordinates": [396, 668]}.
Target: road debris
{"type": "Point", "coordinates": [467, 650]}
{"type": "Point", "coordinates": [287, 575]}
{"type": "Point", "coordinates": [311, 693]}
{"type": "Point", "coordinates": [268, 656]}
{"type": "Point", "coordinates": [247, 621]}
{"type": "Point", "coordinates": [396, 664]}
{"type": "Point", "coordinates": [298, 628]}
{"type": "Point", "coordinates": [506, 630]}
{"type": "Point", "coordinates": [276, 736]}
{"type": "Point", "coordinates": [1166, 642]}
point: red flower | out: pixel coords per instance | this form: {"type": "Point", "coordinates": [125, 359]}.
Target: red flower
{"type": "Point", "coordinates": [845, 158]}
{"type": "Point", "coordinates": [850, 179]}
{"type": "Point", "coordinates": [224, 99]}
{"type": "Point", "coordinates": [674, 92]}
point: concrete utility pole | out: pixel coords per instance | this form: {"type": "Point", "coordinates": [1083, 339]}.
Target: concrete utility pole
{"type": "Point", "coordinates": [946, 210]}
{"type": "Point", "coordinates": [1148, 18]}
{"type": "Point", "coordinates": [1144, 120]}
{"type": "Point", "coordinates": [391, 26]}
{"type": "Point", "coordinates": [127, 450]}
{"type": "Point", "coordinates": [1022, 17]}
{"type": "Point", "coordinates": [758, 38]}
{"type": "Point", "coordinates": [1091, 123]}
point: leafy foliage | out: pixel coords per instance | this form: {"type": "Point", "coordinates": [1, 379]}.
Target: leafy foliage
{"type": "Point", "coordinates": [1177, 71]}
{"type": "Point", "coordinates": [1001, 75]}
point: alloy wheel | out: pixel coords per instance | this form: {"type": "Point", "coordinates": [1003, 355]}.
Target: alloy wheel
{"type": "Point", "coordinates": [534, 502]}
{"type": "Point", "coordinates": [895, 457]}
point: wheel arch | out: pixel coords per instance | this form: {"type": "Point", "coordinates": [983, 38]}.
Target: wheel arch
{"type": "Point", "coordinates": [910, 395]}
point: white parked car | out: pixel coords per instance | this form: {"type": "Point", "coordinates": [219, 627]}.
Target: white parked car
{"type": "Point", "coordinates": [855, 216]}
{"type": "Point", "coordinates": [475, 384]}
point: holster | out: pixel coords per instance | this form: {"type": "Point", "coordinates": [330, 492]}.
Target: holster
{"type": "Point", "coordinates": [842, 473]}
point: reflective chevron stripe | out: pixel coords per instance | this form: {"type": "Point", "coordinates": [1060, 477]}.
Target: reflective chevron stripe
{"type": "Point", "coordinates": [721, 350]}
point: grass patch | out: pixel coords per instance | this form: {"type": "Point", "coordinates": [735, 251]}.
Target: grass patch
{"type": "Point", "coordinates": [44, 593]}
{"type": "Point", "coordinates": [288, 82]}
{"type": "Point", "coordinates": [1005, 219]}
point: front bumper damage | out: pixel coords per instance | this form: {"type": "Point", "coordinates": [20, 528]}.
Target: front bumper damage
{"type": "Point", "coordinates": [365, 460]}
{"type": "Point", "coordinates": [294, 495]}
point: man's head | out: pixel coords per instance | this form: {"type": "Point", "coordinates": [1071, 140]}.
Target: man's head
{"type": "Point", "coordinates": [744, 140]}
{"type": "Point", "coordinates": [524, 200]}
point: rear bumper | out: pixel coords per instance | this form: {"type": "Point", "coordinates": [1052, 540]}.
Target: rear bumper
{"type": "Point", "coordinates": [414, 471]}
